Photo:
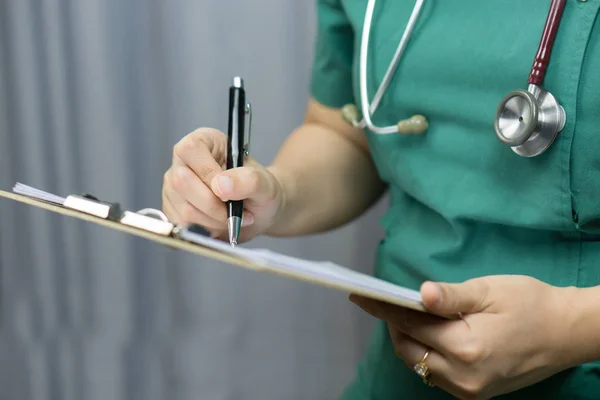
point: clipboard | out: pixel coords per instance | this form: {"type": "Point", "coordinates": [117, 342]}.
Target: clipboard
{"type": "Point", "coordinates": [153, 225]}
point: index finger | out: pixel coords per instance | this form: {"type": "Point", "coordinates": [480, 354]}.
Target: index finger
{"type": "Point", "coordinates": [439, 333]}
{"type": "Point", "coordinates": [195, 152]}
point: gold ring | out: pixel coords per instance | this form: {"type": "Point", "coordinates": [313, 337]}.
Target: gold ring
{"type": "Point", "coordinates": [422, 370]}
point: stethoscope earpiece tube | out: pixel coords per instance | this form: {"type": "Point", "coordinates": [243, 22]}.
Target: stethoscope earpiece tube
{"type": "Point", "coordinates": [350, 112]}
{"type": "Point", "coordinates": [416, 124]}
{"type": "Point", "coordinates": [529, 121]}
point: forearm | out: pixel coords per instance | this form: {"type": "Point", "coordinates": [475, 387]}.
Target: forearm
{"type": "Point", "coordinates": [327, 181]}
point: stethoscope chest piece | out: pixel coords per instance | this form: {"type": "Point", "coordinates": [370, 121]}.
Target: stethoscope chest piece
{"type": "Point", "coordinates": [529, 121]}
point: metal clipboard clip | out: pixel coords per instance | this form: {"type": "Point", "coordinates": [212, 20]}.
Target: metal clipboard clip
{"type": "Point", "coordinates": [147, 219]}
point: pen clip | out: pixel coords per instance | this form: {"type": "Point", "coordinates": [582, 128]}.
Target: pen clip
{"type": "Point", "coordinates": [247, 144]}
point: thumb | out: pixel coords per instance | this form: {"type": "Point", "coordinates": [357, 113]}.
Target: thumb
{"type": "Point", "coordinates": [244, 183]}
{"type": "Point", "coordinates": [451, 299]}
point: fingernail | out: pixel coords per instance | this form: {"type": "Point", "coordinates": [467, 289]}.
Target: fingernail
{"type": "Point", "coordinates": [225, 184]}
{"type": "Point", "coordinates": [247, 219]}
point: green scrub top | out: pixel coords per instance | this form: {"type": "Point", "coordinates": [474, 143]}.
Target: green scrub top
{"type": "Point", "coordinates": [462, 204]}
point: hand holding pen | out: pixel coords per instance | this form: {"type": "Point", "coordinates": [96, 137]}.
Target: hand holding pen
{"type": "Point", "coordinates": [205, 187]}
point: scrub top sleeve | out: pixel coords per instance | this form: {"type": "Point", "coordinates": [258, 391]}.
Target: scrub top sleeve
{"type": "Point", "coordinates": [331, 77]}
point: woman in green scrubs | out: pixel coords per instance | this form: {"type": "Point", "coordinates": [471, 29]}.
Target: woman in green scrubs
{"type": "Point", "coordinates": [508, 243]}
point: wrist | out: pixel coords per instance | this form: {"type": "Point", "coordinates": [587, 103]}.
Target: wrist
{"type": "Point", "coordinates": [580, 325]}
{"type": "Point", "coordinates": [286, 186]}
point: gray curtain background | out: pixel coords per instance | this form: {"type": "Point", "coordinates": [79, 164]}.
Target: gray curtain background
{"type": "Point", "coordinates": [93, 96]}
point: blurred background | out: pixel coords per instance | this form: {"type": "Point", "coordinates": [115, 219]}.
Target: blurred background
{"type": "Point", "coordinates": [93, 96]}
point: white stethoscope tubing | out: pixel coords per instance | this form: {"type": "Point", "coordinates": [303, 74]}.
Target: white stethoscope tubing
{"type": "Point", "coordinates": [366, 109]}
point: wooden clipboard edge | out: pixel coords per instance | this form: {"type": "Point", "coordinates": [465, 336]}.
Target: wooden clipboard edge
{"type": "Point", "coordinates": [206, 252]}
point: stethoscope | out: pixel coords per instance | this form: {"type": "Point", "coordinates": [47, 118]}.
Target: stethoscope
{"type": "Point", "coordinates": [526, 120]}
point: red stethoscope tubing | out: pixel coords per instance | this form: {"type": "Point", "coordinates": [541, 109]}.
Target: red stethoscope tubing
{"type": "Point", "coordinates": [542, 58]}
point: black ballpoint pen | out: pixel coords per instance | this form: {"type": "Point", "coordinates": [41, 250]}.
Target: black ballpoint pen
{"type": "Point", "coordinates": [236, 150]}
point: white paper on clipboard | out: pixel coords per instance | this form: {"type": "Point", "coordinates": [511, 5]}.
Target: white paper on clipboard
{"type": "Point", "coordinates": [323, 273]}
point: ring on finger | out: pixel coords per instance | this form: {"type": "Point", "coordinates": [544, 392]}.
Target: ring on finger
{"type": "Point", "coordinates": [422, 370]}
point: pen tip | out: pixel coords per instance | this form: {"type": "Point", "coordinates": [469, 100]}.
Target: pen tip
{"type": "Point", "coordinates": [234, 225]}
